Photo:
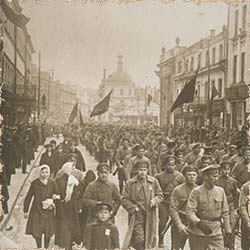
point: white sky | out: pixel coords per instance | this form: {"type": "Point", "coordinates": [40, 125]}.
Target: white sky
{"type": "Point", "coordinates": [79, 40]}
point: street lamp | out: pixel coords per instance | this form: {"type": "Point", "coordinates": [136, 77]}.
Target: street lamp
{"type": "Point", "coordinates": [51, 75]}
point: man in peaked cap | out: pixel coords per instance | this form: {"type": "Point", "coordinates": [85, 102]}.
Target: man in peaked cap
{"type": "Point", "coordinates": [168, 179]}
{"type": "Point", "coordinates": [179, 233]}
{"type": "Point", "coordinates": [101, 190]}
{"type": "Point", "coordinates": [141, 198]}
{"type": "Point", "coordinates": [229, 185]}
{"type": "Point", "coordinates": [207, 212]}
{"type": "Point", "coordinates": [140, 155]}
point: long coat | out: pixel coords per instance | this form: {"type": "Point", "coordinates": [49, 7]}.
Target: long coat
{"type": "Point", "coordinates": [67, 217]}
{"type": "Point", "coordinates": [152, 191]}
{"type": "Point", "coordinates": [98, 191]}
{"type": "Point", "coordinates": [40, 220]}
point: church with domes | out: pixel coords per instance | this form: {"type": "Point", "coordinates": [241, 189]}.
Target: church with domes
{"type": "Point", "coordinates": [125, 103]}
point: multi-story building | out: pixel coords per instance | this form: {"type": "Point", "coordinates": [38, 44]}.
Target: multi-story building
{"type": "Point", "coordinates": [56, 99]}
{"type": "Point", "coordinates": [238, 63]}
{"type": "Point", "coordinates": [166, 72]}
{"type": "Point", "coordinates": [16, 57]}
{"type": "Point", "coordinates": [179, 65]}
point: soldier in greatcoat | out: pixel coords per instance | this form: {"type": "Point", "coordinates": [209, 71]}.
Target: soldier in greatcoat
{"type": "Point", "coordinates": [141, 197]}
{"type": "Point", "coordinates": [101, 190]}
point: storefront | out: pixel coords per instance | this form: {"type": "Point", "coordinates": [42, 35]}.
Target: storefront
{"type": "Point", "coordinates": [237, 95]}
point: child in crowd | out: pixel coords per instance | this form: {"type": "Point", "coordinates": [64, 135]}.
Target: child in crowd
{"type": "Point", "coordinates": [102, 234]}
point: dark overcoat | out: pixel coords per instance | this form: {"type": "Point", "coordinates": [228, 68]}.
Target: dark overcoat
{"type": "Point", "coordinates": [67, 216]}
{"type": "Point", "coordinates": [40, 220]}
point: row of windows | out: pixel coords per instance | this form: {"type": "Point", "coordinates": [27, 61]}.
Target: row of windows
{"type": "Point", "coordinates": [189, 63]}
{"type": "Point", "coordinates": [242, 67]}
{"type": "Point", "coordinates": [201, 92]}
{"type": "Point", "coordinates": [9, 72]}
{"type": "Point", "coordinates": [244, 20]}
{"type": "Point", "coordinates": [121, 92]}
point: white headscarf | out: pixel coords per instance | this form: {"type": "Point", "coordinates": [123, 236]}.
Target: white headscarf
{"type": "Point", "coordinates": [72, 180]}
{"type": "Point", "coordinates": [44, 181]}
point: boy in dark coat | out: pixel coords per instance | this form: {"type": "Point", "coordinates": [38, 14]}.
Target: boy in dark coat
{"type": "Point", "coordinates": [102, 234]}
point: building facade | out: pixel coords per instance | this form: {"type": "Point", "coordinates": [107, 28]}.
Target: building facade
{"type": "Point", "coordinates": [238, 63]}
{"type": "Point", "coordinates": [16, 60]}
{"type": "Point", "coordinates": [208, 58]}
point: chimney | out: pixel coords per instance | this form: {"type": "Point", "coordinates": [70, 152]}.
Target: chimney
{"type": "Point", "coordinates": [212, 33]}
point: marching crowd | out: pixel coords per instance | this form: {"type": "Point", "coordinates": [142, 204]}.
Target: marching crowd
{"type": "Point", "coordinates": [193, 182]}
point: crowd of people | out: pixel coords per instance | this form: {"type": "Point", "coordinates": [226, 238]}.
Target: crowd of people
{"type": "Point", "coordinates": [17, 149]}
{"type": "Point", "coordinates": [193, 182]}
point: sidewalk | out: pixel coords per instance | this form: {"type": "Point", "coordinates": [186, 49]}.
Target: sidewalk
{"type": "Point", "coordinates": [17, 181]}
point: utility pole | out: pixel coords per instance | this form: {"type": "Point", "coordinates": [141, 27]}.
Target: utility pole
{"type": "Point", "coordinates": [39, 88]}
{"type": "Point", "coordinates": [209, 103]}
{"type": "Point", "coordinates": [145, 116]}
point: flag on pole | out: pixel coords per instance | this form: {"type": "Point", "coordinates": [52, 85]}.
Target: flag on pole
{"type": "Point", "coordinates": [73, 113]}
{"type": "Point", "coordinates": [103, 106]}
{"type": "Point", "coordinates": [215, 92]}
{"type": "Point", "coordinates": [81, 120]}
{"type": "Point", "coordinates": [187, 93]}
{"type": "Point", "coordinates": [149, 99]}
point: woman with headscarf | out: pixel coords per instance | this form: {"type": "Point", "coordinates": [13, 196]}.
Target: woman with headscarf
{"type": "Point", "coordinates": [67, 209]}
{"type": "Point", "coordinates": [41, 219]}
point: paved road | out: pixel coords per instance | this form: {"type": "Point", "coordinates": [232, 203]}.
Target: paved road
{"type": "Point", "coordinates": [19, 223]}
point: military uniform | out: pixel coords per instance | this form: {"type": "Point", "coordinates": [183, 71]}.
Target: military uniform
{"type": "Point", "coordinates": [244, 207]}
{"type": "Point", "coordinates": [177, 212]}
{"type": "Point", "coordinates": [168, 181]}
{"type": "Point", "coordinates": [241, 173]}
{"type": "Point", "coordinates": [138, 194]}
{"type": "Point", "coordinates": [209, 205]}
{"type": "Point", "coordinates": [100, 191]}
{"type": "Point", "coordinates": [121, 155]}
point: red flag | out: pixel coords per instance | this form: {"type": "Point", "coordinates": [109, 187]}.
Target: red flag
{"type": "Point", "coordinates": [187, 93]}
{"type": "Point", "coordinates": [73, 113]}
{"type": "Point", "coordinates": [102, 106]}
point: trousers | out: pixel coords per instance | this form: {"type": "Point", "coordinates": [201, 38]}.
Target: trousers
{"type": "Point", "coordinates": [206, 242]}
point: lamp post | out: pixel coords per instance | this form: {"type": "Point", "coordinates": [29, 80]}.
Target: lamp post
{"type": "Point", "coordinates": [51, 75]}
